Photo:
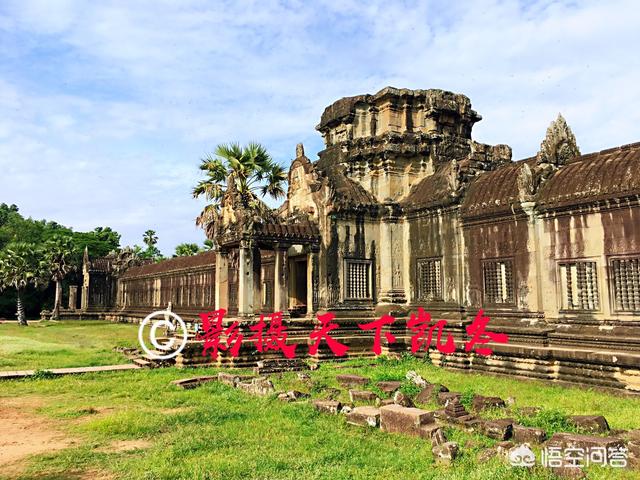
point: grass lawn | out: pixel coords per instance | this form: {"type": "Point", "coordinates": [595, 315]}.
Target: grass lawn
{"type": "Point", "coordinates": [63, 344]}
{"type": "Point", "coordinates": [217, 432]}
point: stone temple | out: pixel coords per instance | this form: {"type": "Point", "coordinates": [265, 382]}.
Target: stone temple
{"type": "Point", "coordinates": [402, 209]}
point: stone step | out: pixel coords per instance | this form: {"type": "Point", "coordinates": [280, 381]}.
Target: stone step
{"type": "Point", "coordinates": [143, 363]}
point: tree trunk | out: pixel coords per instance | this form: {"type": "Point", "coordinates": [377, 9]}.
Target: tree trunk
{"type": "Point", "coordinates": [22, 320]}
{"type": "Point", "coordinates": [55, 315]}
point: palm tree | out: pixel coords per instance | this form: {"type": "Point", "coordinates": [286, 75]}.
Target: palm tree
{"type": "Point", "coordinates": [19, 268]}
{"type": "Point", "coordinates": [152, 252]}
{"type": "Point", "coordinates": [58, 253]}
{"type": "Point", "coordinates": [150, 238]}
{"type": "Point", "coordinates": [253, 172]}
{"type": "Point", "coordinates": [187, 249]}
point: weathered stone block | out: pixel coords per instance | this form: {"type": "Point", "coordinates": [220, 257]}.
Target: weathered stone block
{"type": "Point", "coordinates": [362, 396]}
{"type": "Point", "coordinates": [347, 380]}
{"type": "Point", "coordinates": [400, 398]}
{"type": "Point", "coordinates": [327, 406]}
{"type": "Point", "coordinates": [232, 379]}
{"type": "Point", "coordinates": [522, 434]}
{"type": "Point", "coordinates": [481, 403]}
{"type": "Point", "coordinates": [429, 393]}
{"type": "Point", "coordinates": [590, 423]}
{"type": "Point", "coordinates": [258, 386]}
{"type": "Point", "coordinates": [381, 402]}
{"type": "Point", "coordinates": [194, 382]}
{"type": "Point", "coordinates": [498, 429]}
{"type": "Point", "coordinates": [398, 419]}
{"type": "Point", "coordinates": [445, 453]}
{"type": "Point", "coordinates": [416, 379]}
{"type": "Point", "coordinates": [292, 396]}
{"type": "Point", "coordinates": [454, 409]}
{"type": "Point", "coordinates": [566, 440]}
{"type": "Point", "coordinates": [443, 397]}
{"type": "Point", "coordinates": [389, 387]}
{"type": "Point", "coordinates": [364, 417]}
{"type": "Point", "coordinates": [438, 436]}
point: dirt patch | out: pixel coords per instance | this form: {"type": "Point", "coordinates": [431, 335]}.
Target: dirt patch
{"type": "Point", "coordinates": [125, 446]}
{"type": "Point", "coordinates": [23, 434]}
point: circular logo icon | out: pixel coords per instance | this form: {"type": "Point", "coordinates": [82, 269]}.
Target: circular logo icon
{"type": "Point", "coordinates": [165, 322]}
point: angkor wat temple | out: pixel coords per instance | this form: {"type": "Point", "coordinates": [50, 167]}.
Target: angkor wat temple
{"type": "Point", "coordinates": [402, 210]}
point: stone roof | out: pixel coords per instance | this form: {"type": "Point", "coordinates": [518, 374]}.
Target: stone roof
{"type": "Point", "coordinates": [497, 191]}
{"type": "Point", "coordinates": [611, 173]}
{"type": "Point", "coordinates": [301, 231]}
{"type": "Point", "coordinates": [437, 190]}
{"type": "Point", "coordinates": [172, 264]}
{"type": "Point", "coordinates": [346, 194]}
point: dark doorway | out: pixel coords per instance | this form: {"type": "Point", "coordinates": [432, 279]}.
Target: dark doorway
{"type": "Point", "coordinates": [298, 286]}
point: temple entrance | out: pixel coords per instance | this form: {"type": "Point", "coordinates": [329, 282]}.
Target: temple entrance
{"type": "Point", "coordinates": [298, 285]}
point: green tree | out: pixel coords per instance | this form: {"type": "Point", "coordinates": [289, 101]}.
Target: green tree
{"type": "Point", "coordinates": [208, 245]}
{"type": "Point", "coordinates": [152, 252]}
{"type": "Point", "coordinates": [100, 241]}
{"type": "Point", "coordinates": [58, 255]}
{"type": "Point", "coordinates": [20, 267]}
{"type": "Point", "coordinates": [187, 249]}
{"type": "Point", "coordinates": [253, 172]}
{"type": "Point", "coordinates": [150, 238]}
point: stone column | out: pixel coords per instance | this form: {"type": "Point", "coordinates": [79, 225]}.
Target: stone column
{"type": "Point", "coordinates": [222, 280]}
{"type": "Point", "coordinates": [73, 297]}
{"type": "Point", "coordinates": [391, 262]}
{"type": "Point", "coordinates": [311, 256]}
{"type": "Point", "coordinates": [245, 280]}
{"type": "Point", "coordinates": [84, 301]}
{"type": "Point", "coordinates": [386, 267]}
{"type": "Point", "coordinates": [280, 281]}
{"type": "Point", "coordinates": [257, 280]}
{"type": "Point", "coordinates": [535, 298]}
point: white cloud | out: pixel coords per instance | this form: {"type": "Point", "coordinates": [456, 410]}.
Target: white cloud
{"type": "Point", "coordinates": [106, 107]}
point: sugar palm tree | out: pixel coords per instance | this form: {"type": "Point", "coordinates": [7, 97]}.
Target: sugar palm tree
{"type": "Point", "coordinates": [150, 238]}
{"type": "Point", "coordinates": [19, 268]}
{"type": "Point", "coordinates": [254, 173]}
{"type": "Point", "coordinates": [57, 262]}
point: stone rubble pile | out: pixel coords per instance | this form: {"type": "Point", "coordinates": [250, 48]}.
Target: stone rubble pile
{"type": "Point", "coordinates": [399, 414]}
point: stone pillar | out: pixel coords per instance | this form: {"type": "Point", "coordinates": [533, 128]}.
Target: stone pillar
{"type": "Point", "coordinates": [73, 297]}
{"type": "Point", "coordinates": [391, 262]}
{"type": "Point", "coordinates": [222, 280]}
{"type": "Point", "coordinates": [311, 256]}
{"type": "Point", "coordinates": [535, 300]}
{"type": "Point", "coordinates": [257, 281]}
{"type": "Point", "coordinates": [245, 280]}
{"type": "Point", "coordinates": [280, 281]}
{"type": "Point", "coordinates": [84, 301]}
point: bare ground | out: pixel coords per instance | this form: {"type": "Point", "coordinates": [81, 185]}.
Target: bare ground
{"type": "Point", "coordinates": [23, 433]}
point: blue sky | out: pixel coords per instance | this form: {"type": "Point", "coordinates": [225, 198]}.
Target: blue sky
{"type": "Point", "coordinates": [107, 107]}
